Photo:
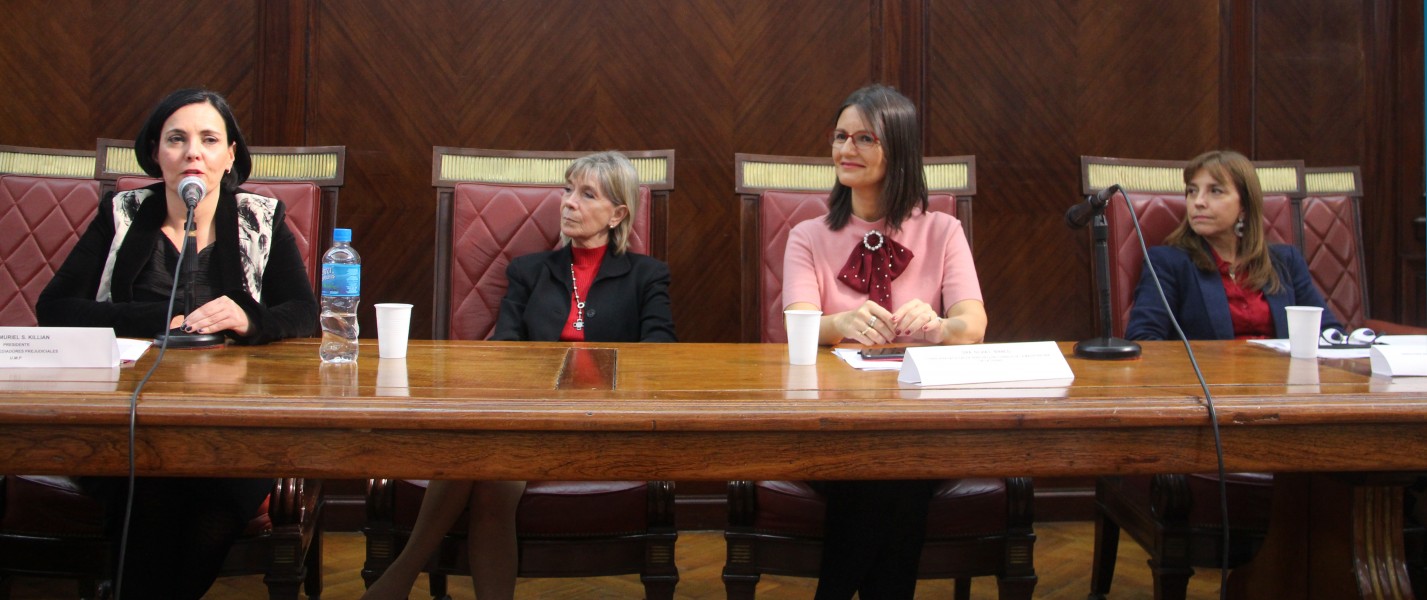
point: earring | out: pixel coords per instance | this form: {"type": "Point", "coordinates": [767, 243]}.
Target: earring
{"type": "Point", "coordinates": [1239, 228]}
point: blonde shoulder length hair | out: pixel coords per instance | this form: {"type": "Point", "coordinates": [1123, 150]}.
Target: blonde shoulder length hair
{"type": "Point", "coordinates": [618, 181]}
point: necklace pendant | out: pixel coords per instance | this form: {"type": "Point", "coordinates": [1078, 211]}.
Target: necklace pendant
{"type": "Point", "coordinates": [579, 324]}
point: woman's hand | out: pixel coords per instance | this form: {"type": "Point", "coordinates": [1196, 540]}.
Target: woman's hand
{"type": "Point", "coordinates": [221, 314]}
{"type": "Point", "coordinates": [918, 319]}
{"type": "Point", "coordinates": [867, 324]}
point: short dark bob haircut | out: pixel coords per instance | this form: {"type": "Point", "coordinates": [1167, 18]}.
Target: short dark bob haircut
{"type": "Point", "coordinates": [148, 140]}
{"type": "Point", "coordinates": [904, 187]}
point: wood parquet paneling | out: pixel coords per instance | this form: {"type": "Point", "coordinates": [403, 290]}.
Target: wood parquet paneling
{"type": "Point", "coordinates": [713, 79]}
{"type": "Point", "coordinates": [1062, 557]}
{"type": "Point", "coordinates": [1024, 86]}
{"type": "Point", "coordinates": [1028, 88]}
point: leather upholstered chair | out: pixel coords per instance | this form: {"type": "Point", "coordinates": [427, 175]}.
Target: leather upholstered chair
{"type": "Point", "coordinates": [1333, 246]}
{"type": "Point", "coordinates": [976, 527]}
{"type": "Point", "coordinates": [1175, 517]}
{"type": "Point", "coordinates": [493, 206]}
{"type": "Point", "coordinates": [49, 528]}
{"type": "Point", "coordinates": [306, 179]}
{"type": "Point", "coordinates": [1156, 187]}
{"type": "Point", "coordinates": [47, 198]}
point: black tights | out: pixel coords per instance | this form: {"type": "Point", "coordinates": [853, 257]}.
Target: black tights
{"type": "Point", "coordinates": [180, 531]}
{"type": "Point", "coordinates": [872, 540]}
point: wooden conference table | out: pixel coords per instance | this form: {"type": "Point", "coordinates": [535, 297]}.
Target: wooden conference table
{"type": "Point", "coordinates": [721, 411]}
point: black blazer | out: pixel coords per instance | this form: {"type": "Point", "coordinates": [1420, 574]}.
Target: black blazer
{"type": "Point", "coordinates": [1201, 304]}
{"type": "Point", "coordinates": [288, 309]}
{"type": "Point", "coordinates": [628, 301]}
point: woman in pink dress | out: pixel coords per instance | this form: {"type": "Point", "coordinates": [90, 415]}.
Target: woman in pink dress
{"type": "Point", "coordinates": [882, 268]}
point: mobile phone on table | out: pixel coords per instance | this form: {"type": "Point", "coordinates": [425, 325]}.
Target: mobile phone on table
{"type": "Point", "coordinates": [884, 353]}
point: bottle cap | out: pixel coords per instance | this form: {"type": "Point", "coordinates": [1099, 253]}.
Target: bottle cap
{"type": "Point", "coordinates": [341, 235]}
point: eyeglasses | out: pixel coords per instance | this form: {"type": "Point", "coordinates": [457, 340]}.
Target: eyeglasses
{"type": "Point", "coordinates": [862, 139]}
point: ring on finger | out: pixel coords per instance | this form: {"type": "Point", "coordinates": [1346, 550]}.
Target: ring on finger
{"type": "Point", "coordinates": [872, 322]}
{"type": "Point", "coordinates": [864, 331]}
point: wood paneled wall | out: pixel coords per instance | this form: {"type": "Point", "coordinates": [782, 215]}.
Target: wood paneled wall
{"type": "Point", "coordinates": [1026, 86]}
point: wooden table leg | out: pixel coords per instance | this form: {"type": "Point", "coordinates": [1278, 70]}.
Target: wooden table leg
{"type": "Point", "coordinates": [1330, 536]}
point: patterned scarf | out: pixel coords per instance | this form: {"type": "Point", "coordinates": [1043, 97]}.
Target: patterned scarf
{"type": "Point", "coordinates": [255, 234]}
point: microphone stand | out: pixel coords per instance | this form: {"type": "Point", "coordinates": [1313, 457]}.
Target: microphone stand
{"type": "Point", "coordinates": [187, 262]}
{"type": "Point", "coordinates": [1107, 346]}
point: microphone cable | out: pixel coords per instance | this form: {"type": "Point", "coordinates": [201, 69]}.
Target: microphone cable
{"type": "Point", "coordinates": [134, 414]}
{"type": "Point", "coordinates": [1208, 400]}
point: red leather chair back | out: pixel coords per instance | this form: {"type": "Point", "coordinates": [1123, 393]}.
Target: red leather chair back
{"type": "Point", "coordinates": [306, 179]}
{"type": "Point", "coordinates": [778, 212]}
{"type": "Point", "coordinates": [495, 205]}
{"type": "Point", "coordinates": [1333, 241]}
{"type": "Point", "coordinates": [778, 192]}
{"type": "Point", "coordinates": [1156, 189]}
{"type": "Point", "coordinates": [492, 224]}
{"type": "Point", "coordinates": [303, 203]}
{"type": "Point", "coordinates": [42, 218]}
{"type": "Point", "coordinates": [1159, 215]}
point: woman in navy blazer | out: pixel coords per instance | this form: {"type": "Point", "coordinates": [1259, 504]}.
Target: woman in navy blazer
{"type": "Point", "coordinates": [1221, 277]}
{"type": "Point", "coordinates": [591, 289]}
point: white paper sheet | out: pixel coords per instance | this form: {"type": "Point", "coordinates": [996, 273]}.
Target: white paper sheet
{"type": "Point", "coordinates": [853, 357]}
{"type": "Point", "coordinates": [1395, 340]}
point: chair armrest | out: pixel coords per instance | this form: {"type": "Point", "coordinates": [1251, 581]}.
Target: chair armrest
{"type": "Point", "coordinates": [661, 504]}
{"type": "Point", "coordinates": [1170, 498]}
{"type": "Point", "coordinates": [1020, 502]}
{"type": "Point", "coordinates": [742, 503]}
{"type": "Point", "coordinates": [381, 500]}
{"type": "Point", "coordinates": [293, 500]}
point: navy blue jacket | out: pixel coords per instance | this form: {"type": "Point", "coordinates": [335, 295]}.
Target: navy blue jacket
{"type": "Point", "coordinates": [1202, 306]}
{"type": "Point", "coordinates": [628, 301]}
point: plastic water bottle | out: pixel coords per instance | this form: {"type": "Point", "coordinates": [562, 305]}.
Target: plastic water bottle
{"type": "Point", "coordinates": [341, 291]}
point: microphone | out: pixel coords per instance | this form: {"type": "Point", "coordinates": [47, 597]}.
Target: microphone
{"type": "Point", "coordinates": [1080, 215]}
{"type": "Point", "coordinates": [192, 189]}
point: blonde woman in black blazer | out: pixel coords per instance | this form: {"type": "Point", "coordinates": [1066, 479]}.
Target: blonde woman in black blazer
{"type": "Point", "coordinates": [591, 289]}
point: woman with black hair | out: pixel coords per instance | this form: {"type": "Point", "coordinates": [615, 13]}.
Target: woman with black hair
{"type": "Point", "coordinates": [250, 285]}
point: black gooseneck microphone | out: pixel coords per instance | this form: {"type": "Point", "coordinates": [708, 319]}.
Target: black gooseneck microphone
{"type": "Point", "coordinates": [192, 189]}
{"type": "Point", "coordinates": [1107, 346]}
{"type": "Point", "coordinates": [1107, 193]}
{"type": "Point", "coordinates": [1080, 215]}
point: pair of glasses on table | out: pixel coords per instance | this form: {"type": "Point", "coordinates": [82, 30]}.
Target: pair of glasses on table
{"type": "Point", "coordinates": [1334, 338]}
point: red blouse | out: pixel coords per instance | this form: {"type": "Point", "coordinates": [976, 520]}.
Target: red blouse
{"type": "Point", "coordinates": [586, 266]}
{"type": "Point", "coordinates": [1248, 309]}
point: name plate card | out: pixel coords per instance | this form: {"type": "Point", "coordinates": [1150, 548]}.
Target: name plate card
{"type": "Point", "coordinates": [58, 347]}
{"type": "Point", "coordinates": [1399, 360]}
{"type": "Point", "coordinates": [984, 363]}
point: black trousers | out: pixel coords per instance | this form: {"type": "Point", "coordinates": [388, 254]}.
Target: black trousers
{"type": "Point", "coordinates": [872, 539]}
{"type": "Point", "coordinates": [180, 531]}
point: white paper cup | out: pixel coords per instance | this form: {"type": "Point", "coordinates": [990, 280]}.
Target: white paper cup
{"type": "Point", "coordinates": [1303, 330]}
{"type": "Point", "coordinates": [802, 335]}
{"type": "Point", "coordinates": [393, 327]}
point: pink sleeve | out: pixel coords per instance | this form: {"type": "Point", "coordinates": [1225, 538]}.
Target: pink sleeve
{"type": "Point", "coordinates": [800, 279]}
{"type": "Point", "coordinates": [959, 282]}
